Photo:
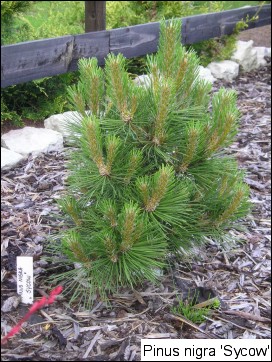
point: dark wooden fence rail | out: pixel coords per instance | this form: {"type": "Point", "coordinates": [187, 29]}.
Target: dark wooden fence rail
{"type": "Point", "coordinates": [27, 61]}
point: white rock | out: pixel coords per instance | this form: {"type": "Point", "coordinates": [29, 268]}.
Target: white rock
{"type": "Point", "coordinates": [261, 53]}
{"type": "Point", "coordinates": [205, 73]}
{"type": "Point", "coordinates": [60, 122]}
{"type": "Point", "coordinates": [226, 69]}
{"type": "Point", "coordinates": [32, 140]}
{"type": "Point", "coordinates": [245, 55]}
{"type": "Point", "coordinates": [10, 159]}
{"type": "Point", "coordinates": [10, 304]}
{"type": "Point", "coordinates": [143, 80]}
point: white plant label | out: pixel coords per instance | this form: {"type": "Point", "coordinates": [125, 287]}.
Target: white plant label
{"type": "Point", "coordinates": [25, 278]}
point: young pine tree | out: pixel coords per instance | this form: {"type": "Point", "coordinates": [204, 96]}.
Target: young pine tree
{"type": "Point", "coordinates": [148, 176]}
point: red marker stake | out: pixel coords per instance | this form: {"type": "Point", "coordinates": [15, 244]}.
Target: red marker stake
{"type": "Point", "coordinates": [36, 306]}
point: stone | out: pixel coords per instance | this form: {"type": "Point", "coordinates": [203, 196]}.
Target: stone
{"type": "Point", "coordinates": [225, 69]}
{"type": "Point", "coordinates": [245, 55]}
{"type": "Point", "coordinates": [205, 74]}
{"type": "Point", "coordinates": [262, 53]}
{"type": "Point", "coordinates": [10, 159]}
{"type": "Point", "coordinates": [10, 304]}
{"type": "Point", "coordinates": [143, 80]}
{"type": "Point", "coordinates": [31, 140]}
{"type": "Point", "coordinates": [59, 122]}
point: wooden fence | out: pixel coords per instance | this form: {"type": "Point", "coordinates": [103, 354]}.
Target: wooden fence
{"type": "Point", "coordinates": [31, 60]}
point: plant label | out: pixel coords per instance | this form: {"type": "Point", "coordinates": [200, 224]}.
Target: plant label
{"type": "Point", "coordinates": [25, 278]}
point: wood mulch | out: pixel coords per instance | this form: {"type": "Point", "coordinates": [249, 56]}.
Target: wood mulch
{"type": "Point", "coordinates": [9, 126]}
{"type": "Point", "coordinates": [261, 36]}
{"type": "Point", "coordinates": [239, 274]}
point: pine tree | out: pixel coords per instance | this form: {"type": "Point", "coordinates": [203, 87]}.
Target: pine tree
{"type": "Point", "coordinates": [149, 176]}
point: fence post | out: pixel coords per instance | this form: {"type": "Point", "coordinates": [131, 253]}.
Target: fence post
{"type": "Point", "coordinates": [95, 16]}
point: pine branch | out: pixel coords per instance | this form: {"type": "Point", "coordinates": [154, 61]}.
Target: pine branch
{"type": "Point", "coordinates": [110, 246]}
{"type": "Point", "coordinates": [223, 125]}
{"type": "Point", "coordinates": [71, 207]}
{"type": "Point", "coordinates": [182, 68]}
{"type": "Point", "coordinates": [191, 148]}
{"type": "Point", "coordinates": [169, 43]}
{"type": "Point", "coordinates": [95, 145]}
{"type": "Point", "coordinates": [73, 248]}
{"type": "Point", "coordinates": [112, 146]}
{"type": "Point", "coordinates": [129, 226]}
{"type": "Point", "coordinates": [202, 94]}
{"type": "Point", "coordinates": [237, 202]}
{"type": "Point", "coordinates": [92, 78]}
{"type": "Point", "coordinates": [143, 185]}
{"type": "Point", "coordinates": [134, 162]}
{"type": "Point", "coordinates": [76, 97]}
{"type": "Point", "coordinates": [120, 86]}
{"type": "Point", "coordinates": [109, 210]}
{"type": "Point", "coordinates": [162, 179]}
{"type": "Point", "coordinates": [162, 108]}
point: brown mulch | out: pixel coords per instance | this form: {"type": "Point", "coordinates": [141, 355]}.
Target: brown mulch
{"type": "Point", "coordinates": [8, 125]}
{"type": "Point", "coordinates": [260, 36]}
{"type": "Point", "coordinates": [239, 274]}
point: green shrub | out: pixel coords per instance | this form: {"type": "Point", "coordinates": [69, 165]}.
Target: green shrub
{"type": "Point", "coordinates": [36, 100]}
{"type": "Point", "coordinates": [149, 176]}
{"type": "Point", "coordinates": [51, 20]}
{"type": "Point", "coordinates": [10, 10]}
{"type": "Point", "coordinates": [125, 13]}
{"type": "Point", "coordinates": [7, 114]}
{"type": "Point", "coordinates": [41, 98]}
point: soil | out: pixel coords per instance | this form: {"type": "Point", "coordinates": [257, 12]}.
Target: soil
{"type": "Point", "coordinates": [239, 273]}
{"type": "Point", "coordinates": [260, 36]}
{"type": "Point", "coordinates": [8, 126]}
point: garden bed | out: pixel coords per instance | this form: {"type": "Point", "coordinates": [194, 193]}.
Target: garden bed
{"type": "Point", "coordinates": [238, 275]}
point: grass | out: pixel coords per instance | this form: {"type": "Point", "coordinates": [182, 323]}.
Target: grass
{"type": "Point", "coordinates": [41, 10]}
{"type": "Point", "coordinates": [196, 315]}
{"type": "Point", "coordinates": [39, 13]}
{"type": "Point", "coordinates": [240, 4]}
{"type": "Point", "coordinates": [53, 18]}
{"type": "Point", "coordinates": [228, 5]}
